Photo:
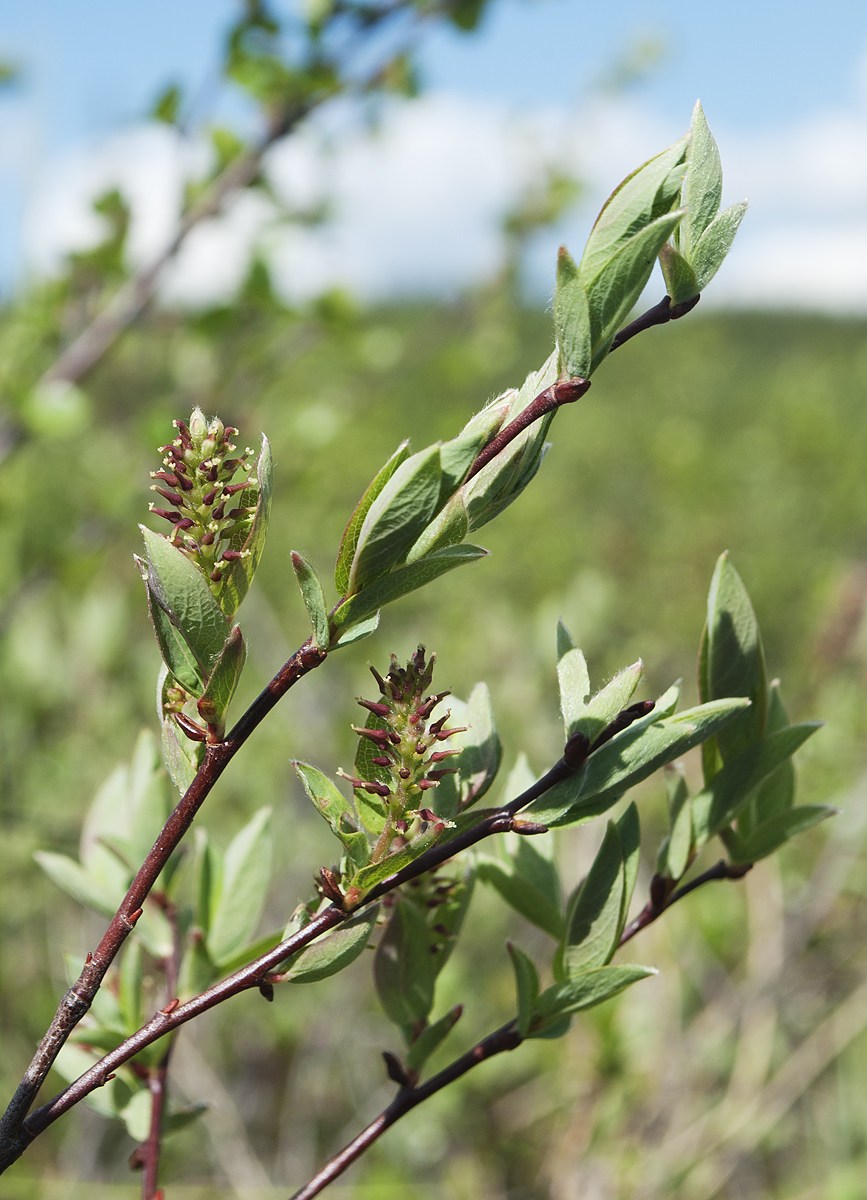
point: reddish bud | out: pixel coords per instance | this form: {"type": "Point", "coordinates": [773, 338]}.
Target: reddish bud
{"type": "Point", "coordinates": [172, 497]}
{"type": "Point", "coordinates": [378, 710]}
{"type": "Point", "coordinates": [170, 1007]}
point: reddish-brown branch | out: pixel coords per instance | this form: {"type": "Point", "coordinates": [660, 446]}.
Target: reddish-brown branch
{"type": "Point", "coordinates": [501, 820]}
{"type": "Point", "coordinates": [506, 1038]}
{"type": "Point", "coordinates": [13, 1136]}
{"type": "Point", "coordinates": [663, 894]}
{"type": "Point", "coordinates": [158, 1085]}
{"type": "Point", "coordinates": [565, 392]}
{"type": "Point", "coordinates": [659, 314]}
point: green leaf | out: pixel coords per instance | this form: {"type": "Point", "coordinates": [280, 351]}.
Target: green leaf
{"type": "Point", "coordinates": [198, 970]}
{"type": "Point", "coordinates": [180, 591]}
{"type": "Point", "coordinates": [238, 574]}
{"type": "Point", "coordinates": [718, 803]}
{"type": "Point", "coordinates": [77, 883]}
{"type": "Point", "coordinates": [626, 759]}
{"type": "Point", "coordinates": [608, 703]}
{"type": "Point", "coordinates": [314, 598]}
{"type": "Point", "coordinates": [702, 188]}
{"type": "Point", "coordinates": [136, 1115]}
{"type": "Point", "coordinates": [776, 831]}
{"type": "Point", "coordinates": [400, 582]}
{"type": "Point", "coordinates": [130, 991]}
{"type": "Point", "coordinates": [537, 867]}
{"type": "Point", "coordinates": [716, 242]}
{"type": "Point", "coordinates": [430, 1038]}
{"type": "Point", "coordinates": [209, 879]}
{"type": "Point", "coordinates": [254, 950]}
{"type": "Point", "coordinates": [224, 679]}
{"type": "Point", "coordinates": [244, 887]}
{"type": "Point", "coordinates": [459, 454]}
{"type": "Point", "coordinates": [681, 282]}
{"type": "Point", "coordinates": [522, 895]}
{"type": "Point", "coordinates": [337, 810]}
{"type": "Point", "coordinates": [397, 518]}
{"type": "Point", "coordinates": [571, 319]}
{"type": "Point", "coordinates": [613, 293]}
{"type": "Point", "coordinates": [573, 679]}
{"type": "Point", "coordinates": [357, 632]}
{"type": "Point", "coordinates": [448, 528]}
{"type": "Point", "coordinates": [481, 753]}
{"type": "Point", "coordinates": [679, 846]}
{"type": "Point", "coordinates": [180, 1117]}
{"type": "Point", "coordinates": [402, 966]}
{"type": "Point", "coordinates": [349, 541]}
{"type": "Point", "coordinates": [593, 916]}
{"type": "Point", "coordinates": [777, 792]}
{"type": "Point", "coordinates": [629, 828]}
{"type": "Point", "coordinates": [334, 952]}
{"type": "Point", "coordinates": [734, 661]}
{"type": "Point", "coordinates": [585, 991]}
{"type": "Point", "coordinates": [647, 194]}
{"type": "Point", "coordinates": [526, 986]}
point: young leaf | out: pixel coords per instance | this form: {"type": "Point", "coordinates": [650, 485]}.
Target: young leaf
{"type": "Point", "coordinates": [446, 920]}
{"type": "Point", "coordinates": [526, 986]}
{"type": "Point", "coordinates": [77, 883]}
{"type": "Point", "coordinates": [647, 194]}
{"type": "Point", "coordinates": [402, 966]}
{"type": "Point", "coordinates": [593, 918]}
{"type": "Point", "coordinates": [571, 319]}
{"type": "Point", "coordinates": [626, 759]}
{"type": "Point", "coordinates": [136, 1115]}
{"type": "Point", "coordinates": [613, 293]}
{"type": "Point", "coordinates": [776, 831]}
{"type": "Point", "coordinates": [180, 591]}
{"type": "Point", "coordinates": [481, 750]}
{"type": "Point", "coordinates": [584, 991]}
{"type": "Point", "coordinates": [314, 598]}
{"type": "Point", "coordinates": [357, 632]}
{"type": "Point", "coordinates": [733, 658]}
{"type": "Point", "coordinates": [350, 535]}
{"type": "Point", "coordinates": [702, 188]}
{"type": "Point", "coordinates": [337, 950]}
{"type": "Point", "coordinates": [244, 886]}
{"type": "Point", "coordinates": [680, 826]}
{"type": "Point", "coordinates": [449, 528]}
{"type": "Point", "coordinates": [430, 1038]}
{"type": "Point", "coordinates": [130, 991]}
{"type": "Point", "coordinates": [398, 583]}
{"type": "Point", "coordinates": [397, 518]}
{"type": "Point", "coordinates": [522, 895]}
{"type": "Point", "coordinates": [629, 828]}
{"type": "Point", "coordinates": [777, 793]}
{"type": "Point", "coordinates": [336, 809]}
{"type": "Point", "coordinates": [539, 868]}
{"type": "Point", "coordinates": [238, 573]}
{"type": "Point", "coordinates": [573, 679]}
{"type": "Point", "coordinates": [716, 242]}
{"type": "Point", "coordinates": [602, 708]}
{"type": "Point", "coordinates": [719, 802]}
{"type": "Point", "coordinates": [224, 678]}
{"type": "Point", "coordinates": [681, 282]}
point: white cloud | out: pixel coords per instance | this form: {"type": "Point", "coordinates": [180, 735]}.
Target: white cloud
{"type": "Point", "coordinates": [416, 203]}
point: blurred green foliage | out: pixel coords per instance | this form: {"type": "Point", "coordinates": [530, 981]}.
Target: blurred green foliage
{"type": "Point", "coordinates": [743, 431]}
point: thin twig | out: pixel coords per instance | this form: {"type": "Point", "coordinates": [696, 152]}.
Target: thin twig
{"type": "Point", "coordinates": [661, 900]}
{"type": "Point", "coordinates": [659, 314]}
{"type": "Point", "coordinates": [157, 1083]}
{"type": "Point", "coordinates": [505, 1038]}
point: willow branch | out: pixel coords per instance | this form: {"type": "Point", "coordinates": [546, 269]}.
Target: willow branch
{"type": "Point", "coordinates": [262, 970]}
{"type": "Point", "coordinates": [78, 999]}
{"type": "Point", "coordinates": [663, 894]}
{"type": "Point", "coordinates": [659, 314]}
{"type": "Point", "coordinates": [506, 1038]}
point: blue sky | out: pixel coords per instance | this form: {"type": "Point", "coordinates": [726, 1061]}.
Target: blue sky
{"type": "Point", "coordinates": [779, 90]}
